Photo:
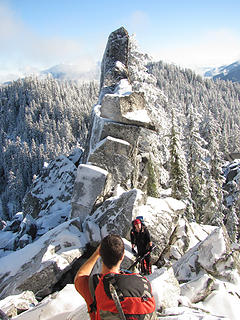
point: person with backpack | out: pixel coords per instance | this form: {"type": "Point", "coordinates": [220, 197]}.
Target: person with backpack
{"type": "Point", "coordinates": [115, 294]}
{"type": "Point", "coordinates": [140, 237]}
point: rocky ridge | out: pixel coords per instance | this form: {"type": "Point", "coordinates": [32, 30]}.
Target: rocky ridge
{"type": "Point", "coordinates": [196, 265]}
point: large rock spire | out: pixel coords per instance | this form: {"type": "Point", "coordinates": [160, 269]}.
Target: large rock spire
{"type": "Point", "coordinates": [115, 59]}
{"type": "Point", "coordinates": [122, 138]}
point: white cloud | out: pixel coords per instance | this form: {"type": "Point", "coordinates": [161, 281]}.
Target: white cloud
{"type": "Point", "coordinates": [21, 47]}
{"type": "Point", "coordinates": [138, 20]}
{"type": "Point", "coordinates": [48, 50]}
{"type": "Point", "coordinates": [10, 26]}
{"type": "Point", "coordinates": [214, 48]}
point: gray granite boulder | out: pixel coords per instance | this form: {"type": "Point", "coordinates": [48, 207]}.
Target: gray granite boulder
{"type": "Point", "coordinates": [57, 178]}
{"type": "Point", "coordinates": [128, 109]}
{"type": "Point", "coordinates": [198, 289]}
{"type": "Point", "coordinates": [146, 150]}
{"type": "Point", "coordinates": [185, 236]}
{"type": "Point", "coordinates": [116, 50]}
{"type": "Point", "coordinates": [16, 304]}
{"type": "Point", "coordinates": [146, 154]}
{"type": "Point", "coordinates": [169, 293]}
{"type": "Point", "coordinates": [115, 156]}
{"type": "Point", "coordinates": [114, 215]}
{"type": "Point", "coordinates": [90, 183]}
{"type": "Point", "coordinates": [213, 256]}
{"type": "Point", "coordinates": [38, 266]}
{"type": "Point", "coordinates": [161, 217]}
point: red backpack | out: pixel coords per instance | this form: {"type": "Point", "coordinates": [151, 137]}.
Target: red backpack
{"type": "Point", "coordinates": [124, 296]}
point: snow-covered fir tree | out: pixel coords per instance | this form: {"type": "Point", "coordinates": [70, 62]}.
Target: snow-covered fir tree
{"type": "Point", "coordinates": [178, 166]}
{"type": "Point", "coordinates": [179, 180]}
{"type": "Point", "coordinates": [198, 170]}
{"type": "Point", "coordinates": [40, 119]}
{"type": "Point", "coordinates": [232, 223]}
{"type": "Point", "coordinates": [43, 118]}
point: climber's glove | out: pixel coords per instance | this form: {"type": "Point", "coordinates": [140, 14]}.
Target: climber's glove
{"type": "Point", "coordinates": [134, 251]}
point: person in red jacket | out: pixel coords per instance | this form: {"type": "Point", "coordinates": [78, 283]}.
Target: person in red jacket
{"type": "Point", "coordinates": [136, 291]}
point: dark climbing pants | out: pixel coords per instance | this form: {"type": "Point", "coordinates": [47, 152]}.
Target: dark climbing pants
{"type": "Point", "coordinates": [146, 266]}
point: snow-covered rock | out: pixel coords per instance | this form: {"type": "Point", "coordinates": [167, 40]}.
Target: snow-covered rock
{"type": "Point", "coordinates": [214, 255]}
{"type": "Point", "coordinates": [39, 266]}
{"type": "Point", "coordinates": [113, 216]}
{"type": "Point", "coordinates": [130, 154]}
{"type": "Point", "coordinates": [186, 313]}
{"type": "Point", "coordinates": [128, 109]}
{"type": "Point", "coordinates": [209, 272]}
{"type": "Point", "coordinates": [7, 239]}
{"type": "Point", "coordinates": [50, 194]}
{"type": "Point", "coordinates": [90, 183]}
{"type": "Point", "coordinates": [58, 306]}
{"type": "Point", "coordinates": [165, 288]}
{"type": "Point", "coordinates": [13, 305]}
{"type": "Point", "coordinates": [161, 217]}
{"type": "Point", "coordinates": [222, 302]}
{"type": "Point", "coordinates": [198, 289]}
{"type": "Point", "coordinates": [115, 60]}
{"type": "Point", "coordinates": [184, 236]}
{"type": "Point", "coordinates": [14, 224]}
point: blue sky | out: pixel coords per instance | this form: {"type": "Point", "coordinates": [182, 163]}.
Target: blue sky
{"type": "Point", "coordinates": [37, 34]}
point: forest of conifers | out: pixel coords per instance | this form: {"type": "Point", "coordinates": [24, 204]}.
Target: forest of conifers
{"type": "Point", "coordinates": [42, 118]}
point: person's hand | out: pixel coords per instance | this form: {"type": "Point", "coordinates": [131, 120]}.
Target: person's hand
{"type": "Point", "coordinates": [134, 251]}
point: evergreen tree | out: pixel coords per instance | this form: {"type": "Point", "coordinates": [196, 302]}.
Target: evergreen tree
{"type": "Point", "coordinates": [179, 180]}
{"type": "Point", "coordinates": [216, 172]}
{"type": "Point", "coordinates": [178, 166]}
{"type": "Point", "coordinates": [232, 223]}
{"type": "Point", "coordinates": [39, 119]}
{"type": "Point", "coordinates": [152, 187]}
{"type": "Point", "coordinates": [197, 167]}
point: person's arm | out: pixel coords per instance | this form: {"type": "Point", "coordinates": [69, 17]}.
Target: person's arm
{"type": "Point", "coordinates": [87, 267]}
{"type": "Point", "coordinates": [81, 280]}
{"type": "Point", "coordinates": [148, 239]}
{"type": "Point", "coordinates": [133, 241]}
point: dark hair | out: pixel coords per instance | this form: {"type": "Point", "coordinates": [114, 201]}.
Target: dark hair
{"type": "Point", "coordinates": [111, 250]}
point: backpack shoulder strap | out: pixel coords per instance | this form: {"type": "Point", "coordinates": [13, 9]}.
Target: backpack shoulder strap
{"type": "Point", "coordinates": [116, 300]}
{"type": "Point", "coordinates": [93, 282]}
{"type": "Point", "coordinates": [110, 280]}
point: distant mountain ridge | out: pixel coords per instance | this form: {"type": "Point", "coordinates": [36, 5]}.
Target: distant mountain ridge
{"type": "Point", "coordinates": [63, 72]}
{"type": "Point", "coordinates": [152, 146]}
{"type": "Point", "coordinates": [72, 72]}
{"type": "Point", "coordinates": [230, 72]}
